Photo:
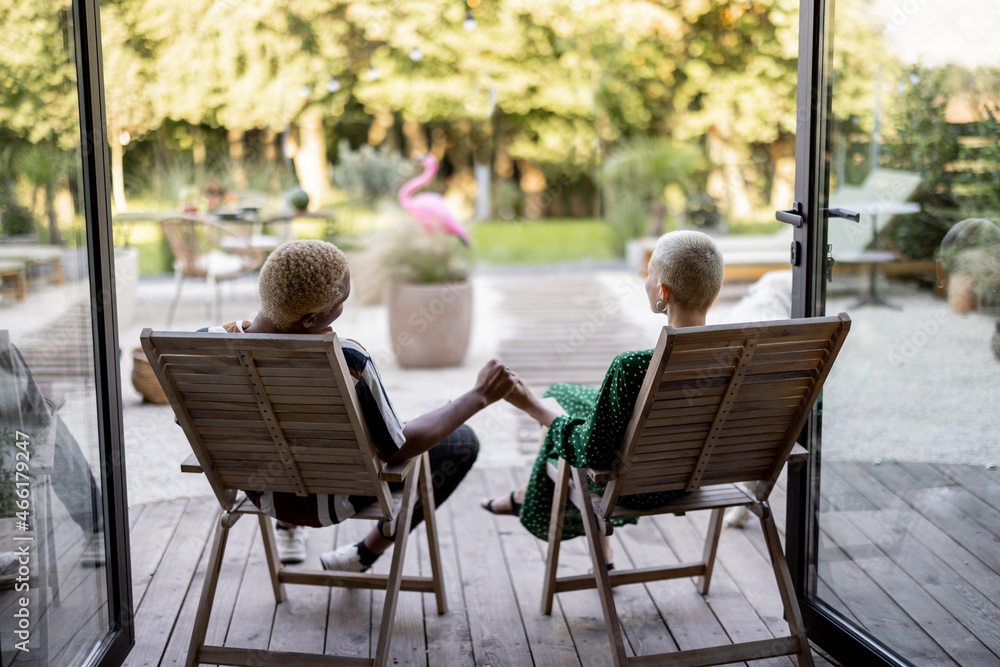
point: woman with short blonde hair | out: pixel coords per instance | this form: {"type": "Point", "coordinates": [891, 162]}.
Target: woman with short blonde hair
{"type": "Point", "coordinates": [685, 277]}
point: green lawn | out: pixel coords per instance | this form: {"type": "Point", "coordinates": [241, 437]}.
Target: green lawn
{"type": "Point", "coordinates": [541, 242]}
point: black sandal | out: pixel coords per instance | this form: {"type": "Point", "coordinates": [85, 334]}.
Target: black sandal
{"type": "Point", "coordinates": [515, 507]}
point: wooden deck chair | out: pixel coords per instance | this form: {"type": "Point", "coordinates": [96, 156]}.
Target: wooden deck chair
{"type": "Point", "coordinates": [717, 417]}
{"type": "Point", "coordinates": [279, 413]}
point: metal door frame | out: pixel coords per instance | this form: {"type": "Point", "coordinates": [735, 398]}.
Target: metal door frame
{"type": "Point", "coordinates": [826, 627]}
{"type": "Point", "coordinates": [96, 180]}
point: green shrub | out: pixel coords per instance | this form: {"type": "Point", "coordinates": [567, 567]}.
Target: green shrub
{"type": "Point", "coordinates": [635, 179]}
{"type": "Point", "coordinates": [369, 173]}
{"type": "Point", "coordinates": [16, 220]}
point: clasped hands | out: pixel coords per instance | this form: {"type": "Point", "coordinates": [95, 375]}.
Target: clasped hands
{"type": "Point", "coordinates": [496, 381]}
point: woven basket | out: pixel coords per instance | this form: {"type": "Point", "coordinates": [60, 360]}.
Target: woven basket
{"type": "Point", "coordinates": [144, 380]}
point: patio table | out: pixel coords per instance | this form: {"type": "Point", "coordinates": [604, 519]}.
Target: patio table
{"type": "Point", "coordinates": [32, 256]}
{"type": "Point", "coordinates": [126, 221]}
{"type": "Point", "coordinates": [17, 271]}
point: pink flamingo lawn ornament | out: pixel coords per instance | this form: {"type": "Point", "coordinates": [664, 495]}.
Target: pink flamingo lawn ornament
{"type": "Point", "coordinates": [428, 207]}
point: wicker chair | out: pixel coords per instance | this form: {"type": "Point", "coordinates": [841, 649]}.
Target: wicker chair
{"type": "Point", "coordinates": [207, 251]}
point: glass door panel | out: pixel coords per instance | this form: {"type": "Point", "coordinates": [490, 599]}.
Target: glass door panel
{"type": "Point", "coordinates": [58, 604]}
{"type": "Point", "coordinates": [908, 529]}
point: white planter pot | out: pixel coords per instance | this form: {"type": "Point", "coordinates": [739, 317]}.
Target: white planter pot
{"type": "Point", "coordinates": [429, 324]}
{"type": "Point", "coordinates": [126, 283]}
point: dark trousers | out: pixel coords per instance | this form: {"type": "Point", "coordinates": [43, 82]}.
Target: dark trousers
{"type": "Point", "coordinates": [73, 483]}
{"type": "Point", "coordinates": [450, 461]}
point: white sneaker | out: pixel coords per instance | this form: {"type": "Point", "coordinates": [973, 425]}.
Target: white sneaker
{"type": "Point", "coordinates": [344, 559]}
{"type": "Point", "coordinates": [736, 517]}
{"type": "Point", "coordinates": [93, 551]}
{"type": "Point", "coordinates": [291, 544]}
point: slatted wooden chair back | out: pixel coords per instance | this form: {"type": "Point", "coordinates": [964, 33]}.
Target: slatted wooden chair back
{"type": "Point", "coordinates": [723, 404]}
{"type": "Point", "coordinates": [269, 413]}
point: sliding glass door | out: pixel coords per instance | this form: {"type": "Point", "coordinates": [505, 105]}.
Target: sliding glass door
{"type": "Point", "coordinates": [64, 575]}
{"type": "Point", "coordinates": [895, 521]}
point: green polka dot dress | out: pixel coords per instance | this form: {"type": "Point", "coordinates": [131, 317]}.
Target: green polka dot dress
{"type": "Point", "coordinates": [588, 436]}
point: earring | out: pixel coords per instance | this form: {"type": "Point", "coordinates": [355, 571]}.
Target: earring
{"type": "Point", "coordinates": [661, 307]}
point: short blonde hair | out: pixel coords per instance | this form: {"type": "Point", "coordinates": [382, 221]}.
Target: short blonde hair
{"type": "Point", "coordinates": [301, 277]}
{"type": "Point", "coordinates": [690, 264]}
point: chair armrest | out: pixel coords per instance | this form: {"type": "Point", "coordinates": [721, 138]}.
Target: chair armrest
{"type": "Point", "coordinates": [601, 476]}
{"type": "Point", "coordinates": [191, 464]}
{"type": "Point", "coordinates": [799, 454]}
{"type": "Point", "coordinates": [395, 472]}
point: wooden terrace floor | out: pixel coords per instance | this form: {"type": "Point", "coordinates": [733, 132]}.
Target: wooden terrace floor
{"type": "Point", "coordinates": [493, 570]}
{"type": "Point", "coordinates": [910, 549]}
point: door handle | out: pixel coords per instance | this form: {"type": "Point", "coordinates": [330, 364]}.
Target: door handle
{"type": "Point", "coordinates": [844, 213]}
{"type": "Point", "coordinates": [793, 216]}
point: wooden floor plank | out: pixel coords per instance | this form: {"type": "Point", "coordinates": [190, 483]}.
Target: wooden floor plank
{"type": "Point", "coordinates": [943, 579]}
{"type": "Point", "coordinates": [734, 615]}
{"type": "Point", "coordinates": [253, 613]}
{"type": "Point", "coordinates": [753, 576]}
{"type": "Point", "coordinates": [409, 645]}
{"type": "Point", "coordinates": [449, 641]}
{"type": "Point", "coordinates": [349, 624]}
{"type": "Point", "coordinates": [948, 638]}
{"type": "Point", "coordinates": [980, 482]}
{"type": "Point", "coordinates": [149, 540]}
{"type": "Point", "coordinates": [498, 636]}
{"type": "Point", "coordinates": [955, 495]}
{"type": "Point", "coordinates": [548, 635]}
{"type": "Point", "coordinates": [172, 579]}
{"type": "Point", "coordinates": [582, 609]}
{"type": "Point", "coordinates": [676, 615]}
{"type": "Point", "coordinates": [928, 503]}
{"type": "Point", "coordinates": [875, 610]}
{"type": "Point", "coordinates": [300, 621]}
{"type": "Point", "coordinates": [241, 539]}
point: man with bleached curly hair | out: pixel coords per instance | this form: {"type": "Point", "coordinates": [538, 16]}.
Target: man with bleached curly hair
{"type": "Point", "coordinates": [303, 286]}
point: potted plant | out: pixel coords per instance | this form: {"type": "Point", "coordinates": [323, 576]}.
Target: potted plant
{"type": "Point", "coordinates": [969, 268]}
{"type": "Point", "coordinates": [969, 264]}
{"type": "Point", "coordinates": [428, 295]}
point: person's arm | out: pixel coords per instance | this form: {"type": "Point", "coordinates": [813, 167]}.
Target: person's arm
{"type": "Point", "coordinates": [522, 398]}
{"type": "Point", "coordinates": [493, 383]}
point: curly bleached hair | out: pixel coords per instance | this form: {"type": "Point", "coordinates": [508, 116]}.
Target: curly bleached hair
{"type": "Point", "coordinates": [690, 264]}
{"type": "Point", "coordinates": [301, 277]}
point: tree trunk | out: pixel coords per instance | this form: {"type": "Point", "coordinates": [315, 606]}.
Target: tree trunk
{"type": "Point", "coordinates": [783, 183]}
{"type": "Point", "coordinates": [533, 185]}
{"type": "Point", "coordinates": [198, 150]}
{"type": "Point", "coordinates": [503, 163]}
{"type": "Point", "coordinates": [378, 131]}
{"type": "Point", "coordinates": [415, 138]}
{"type": "Point", "coordinates": [727, 184]}
{"type": "Point", "coordinates": [117, 169]}
{"type": "Point", "coordinates": [482, 152]}
{"type": "Point", "coordinates": [462, 179]}
{"type": "Point", "coordinates": [310, 160]}
{"type": "Point", "coordinates": [55, 236]}
{"type": "Point", "coordinates": [236, 151]}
